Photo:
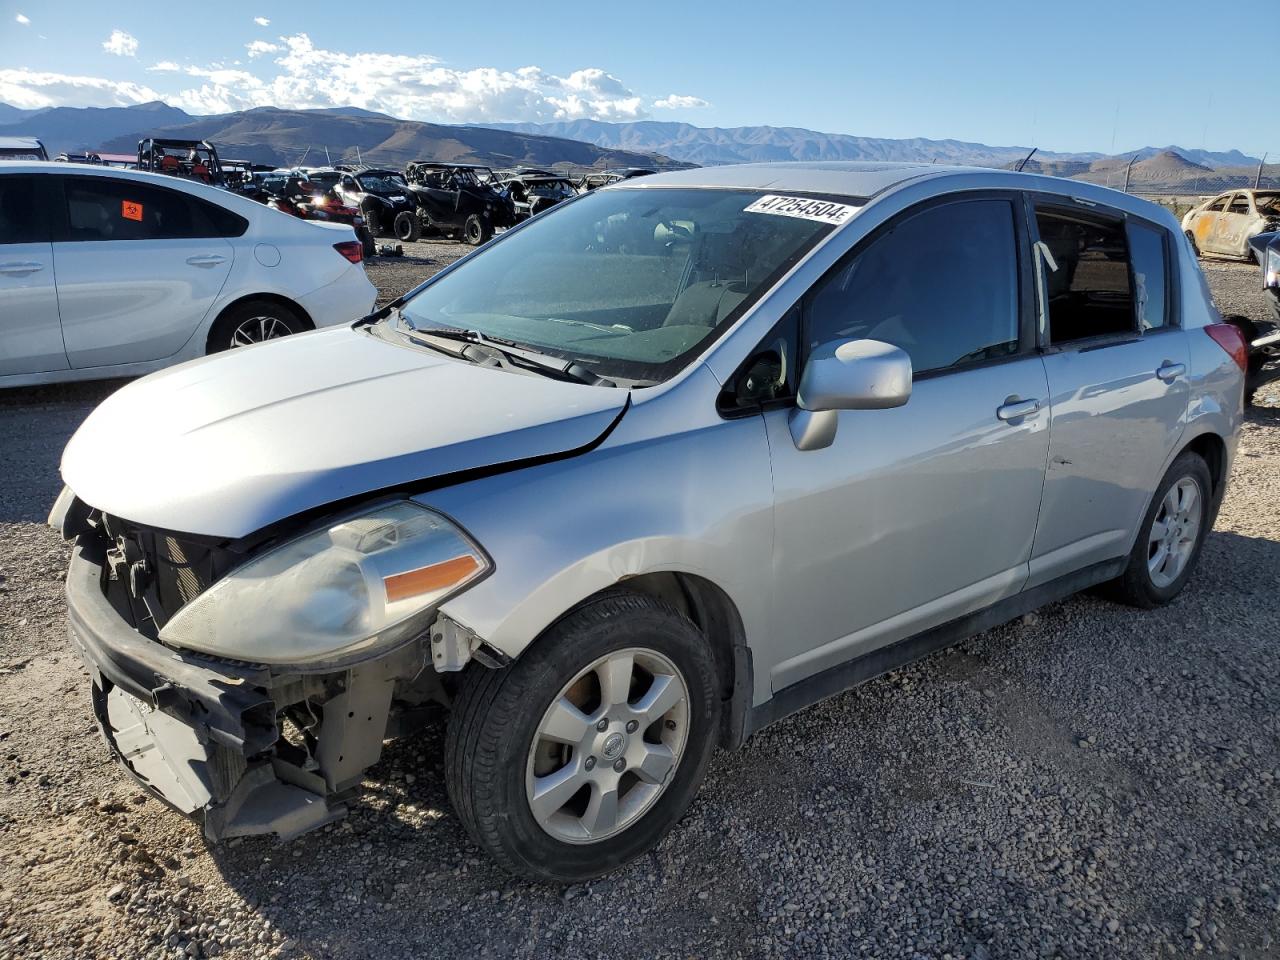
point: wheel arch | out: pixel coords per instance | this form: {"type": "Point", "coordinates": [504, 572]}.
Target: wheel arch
{"type": "Point", "coordinates": [276, 298]}
{"type": "Point", "coordinates": [1213, 450]}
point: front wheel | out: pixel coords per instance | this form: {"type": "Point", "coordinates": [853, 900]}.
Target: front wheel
{"type": "Point", "coordinates": [476, 230]}
{"type": "Point", "coordinates": [1171, 537]}
{"type": "Point", "coordinates": [407, 227]}
{"type": "Point", "coordinates": [581, 755]}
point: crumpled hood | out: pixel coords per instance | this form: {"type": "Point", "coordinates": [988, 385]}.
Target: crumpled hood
{"type": "Point", "coordinates": [228, 444]}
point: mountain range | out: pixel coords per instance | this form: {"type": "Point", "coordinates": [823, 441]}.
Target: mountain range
{"type": "Point", "coordinates": [285, 137]}
{"type": "Point", "coordinates": [711, 145]}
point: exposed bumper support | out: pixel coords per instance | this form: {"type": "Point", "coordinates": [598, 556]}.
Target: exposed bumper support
{"type": "Point", "coordinates": [206, 737]}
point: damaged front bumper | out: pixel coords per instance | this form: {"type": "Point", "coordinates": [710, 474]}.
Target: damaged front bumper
{"type": "Point", "coordinates": [209, 737]}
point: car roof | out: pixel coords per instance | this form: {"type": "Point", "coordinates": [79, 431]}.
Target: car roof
{"type": "Point", "coordinates": [863, 179]}
{"type": "Point", "coordinates": [224, 198]}
{"type": "Point", "coordinates": [20, 142]}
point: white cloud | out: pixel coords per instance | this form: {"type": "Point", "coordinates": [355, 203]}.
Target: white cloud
{"type": "Point", "coordinates": [292, 73]}
{"type": "Point", "coordinates": [30, 89]}
{"type": "Point", "coordinates": [259, 47]}
{"type": "Point", "coordinates": [262, 21]}
{"type": "Point", "coordinates": [121, 44]}
{"type": "Point", "coordinates": [23, 19]}
{"type": "Point", "coordinates": [678, 101]}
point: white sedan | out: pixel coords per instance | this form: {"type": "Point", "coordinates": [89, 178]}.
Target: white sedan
{"type": "Point", "coordinates": [112, 273]}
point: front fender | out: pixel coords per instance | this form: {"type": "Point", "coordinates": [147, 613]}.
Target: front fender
{"type": "Point", "coordinates": [698, 502]}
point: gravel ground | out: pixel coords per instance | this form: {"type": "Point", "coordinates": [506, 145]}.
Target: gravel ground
{"type": "Point", "coordinates": [1090, 781]}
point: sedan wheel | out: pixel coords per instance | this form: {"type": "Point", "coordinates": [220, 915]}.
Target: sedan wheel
{"type": "Point", "coordinates": [607, 746]}
{"type": "Point", "coordinates": [1175, 532]}
{"type": "Point", "coordinates": [259, 330]}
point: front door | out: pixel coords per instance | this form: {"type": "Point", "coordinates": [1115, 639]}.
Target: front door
{"type": "Point", "coordinates": [139, 267]}
{"type": "Point", "coordinates": [1118, 383]}
{"type": "Point", "coordinates": [30, 334]}
{"type": "Point", "coordinates": [916, 515]}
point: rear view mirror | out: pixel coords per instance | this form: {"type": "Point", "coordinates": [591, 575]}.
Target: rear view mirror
{"type": "Point", "coordinates": [850, 375]}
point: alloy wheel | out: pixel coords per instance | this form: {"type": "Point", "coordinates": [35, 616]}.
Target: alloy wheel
{"type": "Point", "coordinates": [607, 746]}
{"type": "Point", "coordinates": [259, 329]}
{"type": "Point", "coordinates": [1174, 532]}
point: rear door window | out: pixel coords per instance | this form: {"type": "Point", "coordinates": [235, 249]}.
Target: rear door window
{"type": "Point", "coordinates": [1239, 204]}
{"type": "Point", "coordinates": [1086, 282]}
{"type": "Point", "coordinates": [1148, 246]}
{"type": "Point", "coordinates": [22, 214]}
{"type": "Point", "coordinates": [99, 208]}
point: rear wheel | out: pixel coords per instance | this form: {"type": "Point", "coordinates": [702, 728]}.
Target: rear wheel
{"type": "Point", "coordinates": [367, 244]}
{"type": "Point", "coordinates": [407, 227]}
{"type": "Point", "coordinates": [476, 230]}
{"type": "Point", "coordinates": [581, 755]}
{"type": "Point", "coordinates": [254, 321]}
{"type": "Point", "coordinates": [1191, 239]}
{"type": "Point", "coordinates": [1171, 537]}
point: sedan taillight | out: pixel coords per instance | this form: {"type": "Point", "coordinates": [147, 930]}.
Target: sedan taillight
{"type": "Point", "coordinates": [1230, 339]}
{"type": "Point", "coordinates": [353, 250]}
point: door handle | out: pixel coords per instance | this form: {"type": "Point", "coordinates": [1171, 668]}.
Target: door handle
{"type": "Point", "coordinates": [19, 268]}
{"type": "Point", "coordinates": [208, 260]}
{"type": "Point", "coordinates": [1015, 409]}
{"type": "Point", "coordinates": [1170, 372]}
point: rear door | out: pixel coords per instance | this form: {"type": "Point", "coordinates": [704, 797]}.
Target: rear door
{"type": "Point", "coordinates": [139, 267]}
{"type": "Point", "coordinates": [1117, 372]}
{"type": "Point", "coordinates": [30, 334]}
{"type": "Point", "coordinates": [1206, 224]}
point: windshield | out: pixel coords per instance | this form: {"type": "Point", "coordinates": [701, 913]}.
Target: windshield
{"type": "Point", "coordinates": [385, 184]}
{"type": "Point", "coordinates": [552, 188]}
{"type": "Point", "coordinates": [631, 284]}
{"type": "Point", "coordinates": [1268, 203]}
{"type": "Point", "coordinates": [326, 180]}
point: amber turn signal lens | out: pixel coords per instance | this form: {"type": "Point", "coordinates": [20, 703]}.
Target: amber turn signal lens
{"type": "Point", "coordinates": [429, 579]}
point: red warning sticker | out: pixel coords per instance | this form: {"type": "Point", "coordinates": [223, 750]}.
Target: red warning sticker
{"type": "Point", "coordinates": [131, 210]}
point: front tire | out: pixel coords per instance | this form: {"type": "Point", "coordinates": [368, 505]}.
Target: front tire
{"type": "Point", "coordinates": [476, 230]}
{"type": "Point", "coordinates": [1170, 538]}
{"type": "Point", "coordinates": [581, 755]}
{"type": "Point", "coordinates": [407, 227]}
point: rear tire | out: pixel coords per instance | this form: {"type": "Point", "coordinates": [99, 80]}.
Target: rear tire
{"type": "Point", "coordinates": [254, 321]}
{"type": "Point", "coordinates": [476, 230]}
{"type": "Point", "coordinates": [406, 227]}
{"type": "Point", "coordinates": [367, 243]}
{"type": "Point", "coordinates": [1173, 529]}
{"type": "Point", "coordinates": [567, 723]}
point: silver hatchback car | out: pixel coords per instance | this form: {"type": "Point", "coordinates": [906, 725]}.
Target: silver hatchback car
{"type": "Point", "coordinates": [657, 468]}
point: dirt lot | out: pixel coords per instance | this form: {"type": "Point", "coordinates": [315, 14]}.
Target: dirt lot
{"type": "Point", "coordinates": [1091, 781]}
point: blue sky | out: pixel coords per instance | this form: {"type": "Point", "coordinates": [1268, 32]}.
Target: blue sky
{"type": "Point", "coordinates": [1083, 75]}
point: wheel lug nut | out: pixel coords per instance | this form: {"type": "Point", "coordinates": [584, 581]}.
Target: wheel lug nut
{"type": "Point", "coordinates": [632, 726]}
{"type": "Point", "coordinates": [591, 763]}
{"type": "Point", "coordinates": [620, 764]}
{"type": "Point", "coordinates": [603, 725]}
{"type": "Point", "coordinates": [671, 724]}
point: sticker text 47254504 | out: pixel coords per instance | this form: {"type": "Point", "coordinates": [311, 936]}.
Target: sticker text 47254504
{"type": "Point", "coordinates": [807, 208]}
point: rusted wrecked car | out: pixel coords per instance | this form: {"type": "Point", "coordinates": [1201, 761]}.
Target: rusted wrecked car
{"type": "Point", "coordinates": [1224, 225]}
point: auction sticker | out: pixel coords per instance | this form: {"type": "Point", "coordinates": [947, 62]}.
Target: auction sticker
{"type": "Point", "coordinates": [807, 208]}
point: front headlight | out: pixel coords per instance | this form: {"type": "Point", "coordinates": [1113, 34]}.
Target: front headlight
{"type": "Point", "coordinates": [364, 583]}
{"type": "Point", "coordinates": [1273, 267]}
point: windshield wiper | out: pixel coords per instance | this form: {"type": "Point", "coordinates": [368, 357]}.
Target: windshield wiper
{"type": "Point", "coordinates": [515, 354]}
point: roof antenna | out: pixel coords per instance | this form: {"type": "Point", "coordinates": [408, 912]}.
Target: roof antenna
{"type": "Point", "coordinates": [327, 162]}
{"type": "Point", "coordinates": [1023, 162]}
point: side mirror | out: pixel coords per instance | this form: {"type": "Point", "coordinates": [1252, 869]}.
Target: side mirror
{"type": "Point", "coordinates": [852, 375]}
